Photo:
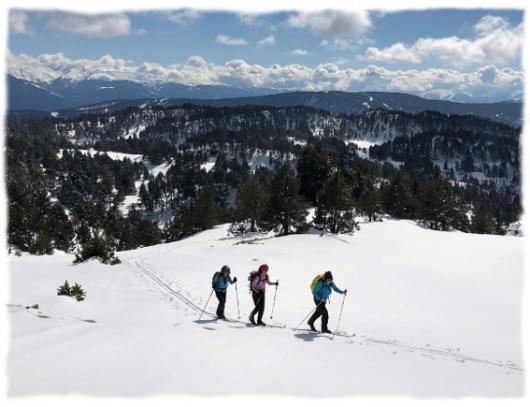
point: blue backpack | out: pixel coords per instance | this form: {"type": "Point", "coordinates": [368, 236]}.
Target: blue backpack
{"type": "Point", "coordinates": [215, 278]}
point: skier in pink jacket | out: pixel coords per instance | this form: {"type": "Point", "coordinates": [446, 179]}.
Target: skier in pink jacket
{"type": "Point", "coordinates": [258, 281]}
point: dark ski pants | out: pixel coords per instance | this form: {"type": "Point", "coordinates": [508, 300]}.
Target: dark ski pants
{"type": "Point", "coordinates": [259, 304]}
{"type": "Point", "coordinates": [320, 311]}
{"type": "Point", "coordinates": [221, 296]}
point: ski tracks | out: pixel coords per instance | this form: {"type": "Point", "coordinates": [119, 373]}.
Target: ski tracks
{"type": "Point", "coordinates": [143, 268]}
{"type": "Point", "coordinates": [427, 351]}
{"type": "Point", "coordinates": [165, 287]}
{"type": "Point", "coordinates": [36, 313]}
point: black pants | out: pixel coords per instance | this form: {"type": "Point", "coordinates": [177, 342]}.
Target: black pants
{"type": "Point", "coordinates": [259, 304]}
{"type": "Point", "coordinates": [221, 296]}
{"type": "Point", "coordinates": [320, 311]}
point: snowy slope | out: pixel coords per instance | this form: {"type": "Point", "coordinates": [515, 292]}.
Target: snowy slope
{"type": "Point", "coordinates": [113, 155]}
{"type": "Point", "coordinates": [436, 314]}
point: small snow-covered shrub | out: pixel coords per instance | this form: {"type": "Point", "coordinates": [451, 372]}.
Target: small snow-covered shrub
{"type": "Point", "coordinates": [77, 292]}
{"type": "Point", "coordinates": [64, 289]}
{"type": "Point", "coordinates": [72, 291]}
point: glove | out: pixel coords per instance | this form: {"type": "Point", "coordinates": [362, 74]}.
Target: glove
{"type": "Point", "coordinates": [276, 283]}
{"type": "Point", "coordinates": [235, 280]}
{"type": "Point", "coordinates": [345, 292]}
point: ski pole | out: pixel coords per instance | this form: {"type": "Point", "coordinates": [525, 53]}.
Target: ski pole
{"type": "Point", "coordinates": [341, 307]}
{"type": "Point", "coordinates": [307, 316]}
{"type": "Point", "coordinates": [205, 305]}
{"type": "Point", "coordinates": [274, 301]}
{"type": "Point", "coordinates": [237, 299]}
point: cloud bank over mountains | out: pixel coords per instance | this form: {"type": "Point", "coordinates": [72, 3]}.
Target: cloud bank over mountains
{"type": "Point", "coordinates": [486, 81]}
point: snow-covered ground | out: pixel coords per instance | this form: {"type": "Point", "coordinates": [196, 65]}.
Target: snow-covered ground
{"type": "Point", "coordinates": [435, 314]}
{"type": "Point", "coordinates": [113, 155]}
{"type": "Point", "coordinates": [363, 146]}
{"type": "Point", "coordinates": [161, 168]}
{"type": "Point", "coordinates": [258, 160]}
{"type": "Point", "coordinates": [134, 131]}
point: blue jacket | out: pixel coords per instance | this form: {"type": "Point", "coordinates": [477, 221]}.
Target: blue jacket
{"type": "Point", "coordinates": [322, 290]}
{"type": "Point", "coordinates": [221, 283]}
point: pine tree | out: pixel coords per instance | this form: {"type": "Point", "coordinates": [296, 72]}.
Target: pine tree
{"type": "Point", "coordinates": [440, 208]}
{"type": "Point", "coordinates": [286, 209]}
{"type": "Point", "coordinates": [195, 216]}
{"type": "Point", "coordinates": [335, 212]}
{"type": "Point", "coordinates": [147, 233]}
{"type": "Point", "coordinates": [314, 168]}
{"type": "Point", "coordinates": [97, 246]}
{"type": "Point", "coordinates": [398, 197]}
{"type": "Point", "coordinates": [369, 203]}
{"type": "Point", "coordinates": [146, 198]}
{"type": "Point", "coordinates": [204, 212]}
{"type": "Point", "coordinates": [468, 164]}
{"type": "Point", "coordinates": [77, 292]}
{"type": "Point", "coordinates": [43, 243]}
{"type": "Point", "coordinates": [64, 289]}
{"type": "Point", "coordinates": [251, 201]}
{"type": "Point", "coordinates": [62, 231]}
{"type": "Point", "coordinates": [127, 240]}
{"type": "Point", "coordinates": [482, 221]}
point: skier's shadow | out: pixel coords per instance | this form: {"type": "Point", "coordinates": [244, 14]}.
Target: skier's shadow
{"type": "Point", "coordinates": [310, 336]}
{"type": "Point", "coordinates": [205, 321]}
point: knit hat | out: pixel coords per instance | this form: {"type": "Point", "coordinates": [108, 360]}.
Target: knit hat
{"type": "Point", "coordinates": [264, 268]}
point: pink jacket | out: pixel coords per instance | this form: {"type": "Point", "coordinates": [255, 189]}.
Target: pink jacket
{"type": "Point", "coordinates": [259, 283]}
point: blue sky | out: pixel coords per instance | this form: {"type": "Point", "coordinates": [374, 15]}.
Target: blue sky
{"type": "Point", "coordinates": [485, 43]}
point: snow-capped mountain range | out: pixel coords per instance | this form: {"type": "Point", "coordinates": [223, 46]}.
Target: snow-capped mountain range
{"type": "Point", "coordinates": [69, 98]}
{"type": "Point", "coordinates": [50, 84]}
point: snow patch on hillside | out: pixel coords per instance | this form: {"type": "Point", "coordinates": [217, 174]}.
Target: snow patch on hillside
{"type": "Point", "coordinates": [134, 131]}
{"type": "Point", "coordinates": [258, 159]}
{"type": "Point", "coordinates": [155, 169]}
{"type": "Point", "coordinates": [113, 155]}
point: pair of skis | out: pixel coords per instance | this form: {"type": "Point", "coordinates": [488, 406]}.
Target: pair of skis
{"type": "Point", "coordinates": [283, 326]}
{"type": "Point", "coordinates": [332, 333]}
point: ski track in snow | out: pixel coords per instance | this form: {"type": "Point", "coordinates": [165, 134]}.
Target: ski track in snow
{"type": "Point", "coordinates": [39, 314]}
{"type": "Point", "coordinates": [146, 270]}
{"type": "Point", "coordinates": [143, 268]}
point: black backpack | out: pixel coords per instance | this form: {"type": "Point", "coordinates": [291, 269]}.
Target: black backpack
{"type": "Point", "coordinates": [215, 279]}
{"type": "Point", "coordinates": [251, 277]}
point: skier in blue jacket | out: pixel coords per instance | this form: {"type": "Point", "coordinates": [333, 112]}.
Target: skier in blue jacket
{"type": "Point", "coordinates": [321, 293]}
{"type": "Point", "coordinates": [220, 283]}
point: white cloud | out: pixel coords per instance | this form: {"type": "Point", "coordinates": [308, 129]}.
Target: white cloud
{"type": "Point", "coordinates": [397, 52]}
{"type": "Point", "coordinates": [333, 27]}
{"type": "Point", "coordinates": [487, 81]}
{"type": "Point", "coordinates": [255, 20]}
{"type": "Point", "coordinates": [489, 23]}
{"type": "Point", "coordinates": [300, 52]}
{"type": "Point", "coordinates": [339, 61]}
{"type": "Point", "coordinates": [249, 18]}
{"type": "Point", "coordinates": [227, 40]}
{"type": "Point", "coordinates": [184, 17]}
{"type": "Point", "coordinates": [268, 40]}
{"type": "Point", "coordinates": [18, 22]}
{"type": "Point", "coordinates": [90, 25]}
{"type": "Point", "coordinates": [496, 42]}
